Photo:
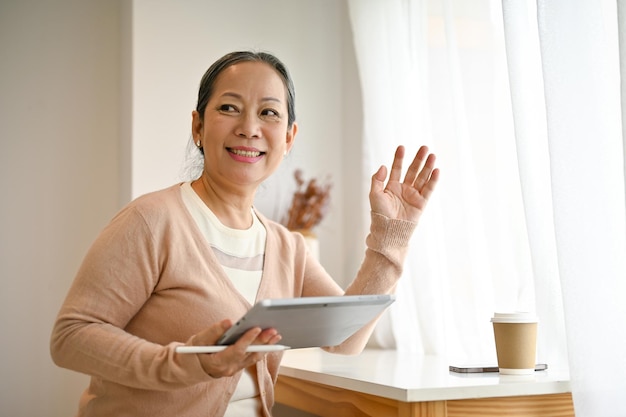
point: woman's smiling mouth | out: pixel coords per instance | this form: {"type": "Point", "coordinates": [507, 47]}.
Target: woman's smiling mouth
{"type": "Point", "coordinates": [245, 155]}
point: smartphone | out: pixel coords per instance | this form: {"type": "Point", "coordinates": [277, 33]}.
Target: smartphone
{"type": "Point", "coordinates": [477, 369]}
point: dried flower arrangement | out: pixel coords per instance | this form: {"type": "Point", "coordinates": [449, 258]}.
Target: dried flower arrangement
{"type": "Point", "coordinates": [309, 204]}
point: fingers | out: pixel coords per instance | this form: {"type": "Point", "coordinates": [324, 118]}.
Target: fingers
{"type": "Point", "coordinates": [235, 357]}
{"type": "Point", "coordinates": [413, 171]}
{"type": "Point", "coordinates": [421, 174]}
{"type": "Point", "coordinates": [256, 336]}
{"type": "Point", "coordinates": [378, 180]}
{"type": "Point", "coordinates": [430, 184]}
{"type": "Point", "coordinates": [424, 181]}
{"type": "Point", "coordinates": [232, 359]}
{"type": "Point", "coordinates": [396, 167]}
{"type": "Point", "coordinates": [268, 337]}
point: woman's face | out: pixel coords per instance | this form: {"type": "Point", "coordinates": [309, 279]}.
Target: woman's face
{"type": "Point", "coordinates": [244, 131]}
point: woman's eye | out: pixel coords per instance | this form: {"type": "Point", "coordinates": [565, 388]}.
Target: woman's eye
{"type": "Point", "coordinates": [270, 112]}
{"type": "Point", "coordinates": [227, 108]}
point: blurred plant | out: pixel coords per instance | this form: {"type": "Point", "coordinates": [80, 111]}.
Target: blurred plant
{"type": "Point", "coordinates": [309, 204]}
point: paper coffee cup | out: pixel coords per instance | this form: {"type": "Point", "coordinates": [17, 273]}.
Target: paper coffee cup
{"type": "Point", "coordinates": [516, 342]}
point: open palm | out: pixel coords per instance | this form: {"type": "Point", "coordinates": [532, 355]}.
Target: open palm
{"type": "Point", "coordinates": [404, 200]}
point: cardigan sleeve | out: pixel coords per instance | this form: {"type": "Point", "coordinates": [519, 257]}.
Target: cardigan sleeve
{"type": "Point", "coordinates": [387, 245]}
{"type": "Point", "coordinates": [117, 276]}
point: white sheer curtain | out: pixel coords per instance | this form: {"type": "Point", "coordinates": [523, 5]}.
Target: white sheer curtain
{"type": "Point", "coordinates": [530, 212]}
{"type": "Point", "coordinates": [579, 55]}
{"type": "Point", "coordinates": [434, 72]}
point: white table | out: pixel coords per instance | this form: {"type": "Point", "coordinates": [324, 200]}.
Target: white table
{"type": "Point", "coordinates": [391, 383]}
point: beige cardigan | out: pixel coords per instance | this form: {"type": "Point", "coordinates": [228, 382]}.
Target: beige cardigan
{"type": "Point", "coordinates": [150, 282]}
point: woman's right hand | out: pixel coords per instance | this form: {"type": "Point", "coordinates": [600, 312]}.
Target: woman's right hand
{"type": "Point", "coordinates": [234, 358]}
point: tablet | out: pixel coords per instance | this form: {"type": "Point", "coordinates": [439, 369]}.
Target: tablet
{"type": "Point", "coordinates": [311, 321]}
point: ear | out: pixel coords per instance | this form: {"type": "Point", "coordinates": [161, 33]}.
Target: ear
{"type": "Point", "coordinates": [291, 136]}
{"type": "Point", "coordinates": [196, 125]}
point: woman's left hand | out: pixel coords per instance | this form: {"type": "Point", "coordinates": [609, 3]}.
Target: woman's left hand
{"type": "Point", "coordinates": [404, 200]}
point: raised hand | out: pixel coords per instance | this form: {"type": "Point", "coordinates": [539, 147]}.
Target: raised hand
{"type": "Point", "coordinates": [404, 200]}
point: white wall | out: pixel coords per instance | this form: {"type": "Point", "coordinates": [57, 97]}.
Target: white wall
{"type": "Point", "coordinates": [173, 45]}
{"type": "Point", "coordinates": [58, 181]}
{"type": "Point", "coordinates": [95, 103]}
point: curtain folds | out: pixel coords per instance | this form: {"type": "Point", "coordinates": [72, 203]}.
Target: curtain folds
{"type": "Point", "coordinates": [521, 102]}
{"type": "Point", "coordinates": [580, 65]}
{"type": "Point", "coordinates": [434, 72]}
{"type": "Point", "coordinates": [531, 134]}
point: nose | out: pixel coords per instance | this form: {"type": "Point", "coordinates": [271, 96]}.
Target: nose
{"type": "Point", "coordinates": [249, 126]}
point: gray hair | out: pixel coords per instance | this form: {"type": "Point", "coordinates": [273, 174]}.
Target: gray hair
{"type": "Point", "coordinates": [208, 80]}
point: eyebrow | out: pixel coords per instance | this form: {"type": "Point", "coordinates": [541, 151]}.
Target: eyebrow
{"type": "Point", "coordinates": [238, 96]}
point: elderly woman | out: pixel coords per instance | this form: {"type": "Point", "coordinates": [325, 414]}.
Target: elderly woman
{"type": "Point", "coordinates": [175, 266]}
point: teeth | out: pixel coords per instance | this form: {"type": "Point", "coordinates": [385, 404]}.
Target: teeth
{"type": "Point", "coordinates": [247, 154]}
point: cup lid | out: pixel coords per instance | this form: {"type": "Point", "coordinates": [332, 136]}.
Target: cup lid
{"type": "Point", "coordinates": [517, 317]}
